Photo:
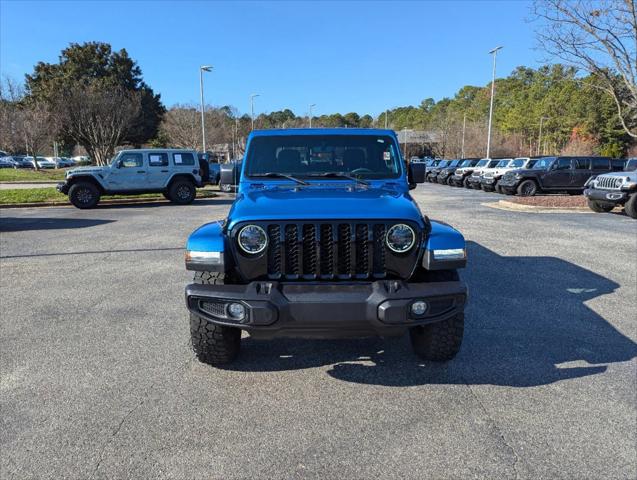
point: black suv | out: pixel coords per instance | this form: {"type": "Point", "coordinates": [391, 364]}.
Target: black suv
{"type": "Point", "coordinates": [460, 175]}
{"type": "Point", "coordinates": [433, 171]}
{"type": "Point", "coordinates": [557, 174]}
{"type": "Point", "coordinates": [444, 175]}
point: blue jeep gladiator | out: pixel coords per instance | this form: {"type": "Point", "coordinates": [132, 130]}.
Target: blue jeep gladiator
{"type": "Point", "coordinates": [324, 241]}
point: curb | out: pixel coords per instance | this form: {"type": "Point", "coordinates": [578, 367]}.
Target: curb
{"type": "Point", "coordinates": [518, 207]}
{"type": "Point", "coordinates": [123, 201]}
{"type": "Point", "coordinates": [34, 182]}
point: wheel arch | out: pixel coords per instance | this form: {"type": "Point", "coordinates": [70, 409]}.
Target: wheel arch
{"type": "Point", "coordinates": [86, 178]}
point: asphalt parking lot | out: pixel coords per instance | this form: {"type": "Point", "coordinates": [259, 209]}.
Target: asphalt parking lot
{"type": "Point", "coordinates": [98, 381]}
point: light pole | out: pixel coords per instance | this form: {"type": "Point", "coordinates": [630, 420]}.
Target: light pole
{"type": "Point", "coordinates": [312, 105]}
{"type": "Point", "coordinates": [464, 127]}
{"type": "Point", "coordinates": [252, 107]}
{"type": "Point", "coordinates": [494, 52]}
{"type": "Point", "coordinates": [203, 68]}
{"type": "Point", "coordinates": [539, 140]}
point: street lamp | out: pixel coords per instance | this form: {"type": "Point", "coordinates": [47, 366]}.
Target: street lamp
{"type": "Point", "coordinates": [203, 68]}
{"type": "Point", "coordinates": [311, 107]}
{"type": "Point", "coordinates": [539, 140]}
{"type": "Point", "coordinates": [494, 52]}
{"type": "Point", "coordinates": [252, 107]}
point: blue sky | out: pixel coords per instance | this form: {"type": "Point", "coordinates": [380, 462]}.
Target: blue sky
{"type": "Point", "coordinates": [342, 56]}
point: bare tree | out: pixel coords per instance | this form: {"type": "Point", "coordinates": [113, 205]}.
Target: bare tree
{"type": "Point", "coordinates": [97, 118]}
{"type": "Point", "coordinates": [35, 123]}
{"type": "Point", "coordinates": [182, 126]}
{"type": "Point", "coordinates": [599, 36]}
{"type": "Point", "coordinates": [11, 94]}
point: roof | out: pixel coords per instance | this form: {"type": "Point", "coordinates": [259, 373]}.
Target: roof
{"type": "Point", "coordinates": [322, 131]}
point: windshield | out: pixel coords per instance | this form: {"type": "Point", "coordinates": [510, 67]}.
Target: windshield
{"type": "Point", "coordinates": [518, 162]}
{"type": "Point", "coordinates": [543, 163]}
{"type": "Point", "coordinates": [466, 163]}
{"type": "Point", "coordinates": [631, 165]}
{"type": "Point", "coordinates": [443, 164]}
{"type": "Point", "coordinates": [113, 159]}
{"type": "Point", "coordinates": [302, 156]}
{"type": "Point", "coordinates": [454, 163]}
{"type": "Point", "coordinates": [492, 163]}
{"type": "Point", "coordinates": [502, 163]}
{"type": "Point", "coordinates": [482, 163]}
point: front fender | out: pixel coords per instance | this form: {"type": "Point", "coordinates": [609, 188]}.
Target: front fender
{"type": "Point", "coordinates": [207, 239]}
{"type": "Point", "coordinates": [444, 238]}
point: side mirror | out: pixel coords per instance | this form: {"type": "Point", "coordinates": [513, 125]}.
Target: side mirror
{"type": "Point", "coordinates": [416, 174]}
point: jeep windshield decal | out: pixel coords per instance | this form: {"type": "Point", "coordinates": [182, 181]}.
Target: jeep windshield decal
{"type": "Point", "coordinates": [353, 157]}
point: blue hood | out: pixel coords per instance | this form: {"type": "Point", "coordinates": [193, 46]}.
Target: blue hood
{"type": "Point", "coordinates": [320, 203]}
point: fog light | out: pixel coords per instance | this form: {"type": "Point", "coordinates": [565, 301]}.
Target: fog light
{"type": "Point", "coordinates": [419, 307]}
{"type": "Point", "coordinates": [236, 311]}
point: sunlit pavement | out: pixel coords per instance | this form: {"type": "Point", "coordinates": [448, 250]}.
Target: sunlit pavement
{"type": "Point", "coordinates": [97, 379]}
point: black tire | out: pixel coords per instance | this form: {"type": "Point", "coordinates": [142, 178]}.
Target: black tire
{"type": "Point", "coordinates": [528, 188]}
{"type": "Point", "coordinates": [498, 188]}
{"type": "Point", "coordinates": [213, 344]}
{"type": "Point", "coordinates": [598, 207]}
{"type": "Point", "coordinates": [182, 192]}
{"type": "Point", "coordinates": [438, 341]}
{"type": "Point", "coordinates": [631, 206]}
{"type": "Point", "coordinates": [84, 195]}
{"type": "Point", "coordinates": [465, 182]}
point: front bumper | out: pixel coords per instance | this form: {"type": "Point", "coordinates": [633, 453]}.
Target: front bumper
{"type": "Point", "coordinates": [474, 180]}
{"type": "Point", "coordinates": [62, 188]}
{"type": "Point", "coordinates": [327, 310]}
{"type": "Point", "coordinates": [607, 196]}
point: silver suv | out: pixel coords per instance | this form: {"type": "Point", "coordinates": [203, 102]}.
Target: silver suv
{"type": "Point", "coordinates": [175, 173]}
{"type": "Point", "coordinates": [606, 191]}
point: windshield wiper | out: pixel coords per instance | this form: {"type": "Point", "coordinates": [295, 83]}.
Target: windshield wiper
{"type": "Point", "coordinates": [340, 175]}
{"type": "Point", "coordinates": [279, 175]}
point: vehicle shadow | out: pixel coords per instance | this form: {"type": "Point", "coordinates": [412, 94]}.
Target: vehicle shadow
{"type": "Point", "coordinates": [20, 224]}
{"type": "Point", "coordinates": [527, 324]}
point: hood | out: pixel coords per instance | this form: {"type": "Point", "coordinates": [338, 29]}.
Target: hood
{"type": "Point", "coordinates": [321, 203]}
{"type": "Point", "coordinates": [632, 175]}
{"type": "Point", "coordinates": [74, 171]}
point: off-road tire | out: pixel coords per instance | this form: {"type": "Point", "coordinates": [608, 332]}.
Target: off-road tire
{"type": "Point", "coordinates": [213, 344]}
{"type": "Point", "coordinates": [84, 195]}
{"type": "Point", "coordinates": [498, 188]}
{"type": "Point", "coordinates": [438, 341]}
{"type": "Point", "coordinates": [631, 206]}
{"type": "Point", "coordinates": [465, 182]}
{"type": "Point", "coordinates": [598, 207]}
{"type": "Point", "coordinates": [182, 192]}
{"type": "Point", "coordinates": [528, 188]}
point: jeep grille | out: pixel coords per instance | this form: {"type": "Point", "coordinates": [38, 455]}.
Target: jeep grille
{"type": "Point", "coordinates": [338, 250]}
{"type": "Point", "coordinates": [613, 183]}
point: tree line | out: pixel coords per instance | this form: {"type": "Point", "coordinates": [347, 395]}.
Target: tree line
{"type": "Point", "coordinates": [96, 98]}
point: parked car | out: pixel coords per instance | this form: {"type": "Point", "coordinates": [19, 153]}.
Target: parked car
{"type": "Point", "coordinates": [81, 160]}
{"type": "Point", "coordinates": [307, 252]}
{"type": "Point", "coordinates": [608, 190]}
{"type": "Point", "coordinates": [444, 174]}
{"type": "Point", "coordinates": [173, 172]}
{"type": "Point", "coordinates": [210, 168]}
{"type": "Point", "coordinates": [557, 174]}
{"type": "Point", "coordinates": [42, 162]}
{"type": "Point", "coordinates": [461, 174]}
{"type": "Point", "coordinates": [432, 173]}
{"type": "Point", "coordinates": [229, 175]}
{"type": "Point", "coordinates": [6, 162]}
{"type": "Point", "coordinates": [473, 181]}
{"type": "Point", "coordinates": [491, 178]}
{"type": "Point", "coordinates": [61, 162]}
{"type": "Point", "coordinates": [20, 161]}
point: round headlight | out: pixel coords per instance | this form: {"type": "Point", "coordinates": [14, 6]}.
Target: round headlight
{"type": "Point", "coordinates": [252, 239]}
{"type": "Point", "coordinates": [400, 238]}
